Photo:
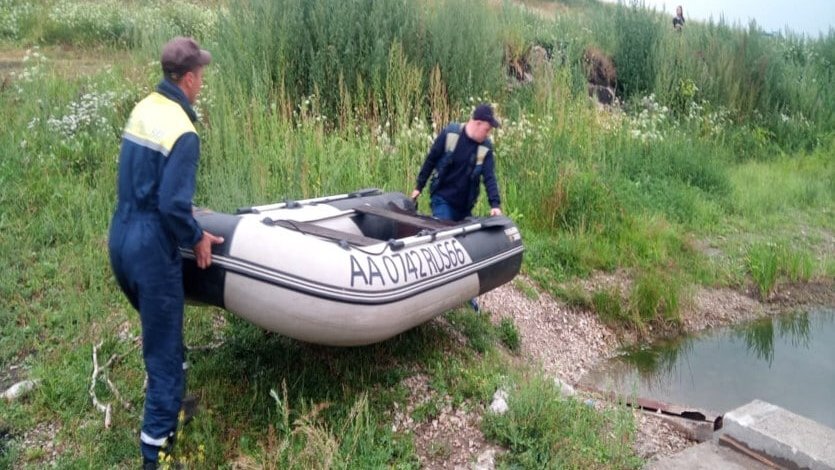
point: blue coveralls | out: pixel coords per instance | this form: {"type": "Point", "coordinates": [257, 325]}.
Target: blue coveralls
{"type": "Point", "coordinates": [459, 165]}
{"type": "Point", "coordinates": [157, 172]}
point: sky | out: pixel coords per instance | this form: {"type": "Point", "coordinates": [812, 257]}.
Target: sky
{"type": "Point", "coordinates": [812, 17]}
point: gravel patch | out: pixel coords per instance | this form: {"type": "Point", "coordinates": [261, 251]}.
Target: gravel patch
{"type": "Point", "coordinates": [712, 308]}
{"type": "Point", "coordinates": [566, 341]}
{"type": "Point", "coordinates": [657, 438]}
{"type": "Point", "coordinates": [42, 438]}
{"type": "Point", "coordinates": [451, 438]}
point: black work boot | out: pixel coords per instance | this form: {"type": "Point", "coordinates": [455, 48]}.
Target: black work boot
{"type": "Point", "coordinates": [149, 464]}
{"type": "Point", "coordinates": [189, 408]}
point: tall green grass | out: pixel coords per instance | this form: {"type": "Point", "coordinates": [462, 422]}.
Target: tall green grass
{"type": "Point", "coordinates": [397, 60]}
{"type": "Point", "coordinates": [371, 59]}
{"type": "Point", "coordinates": [636, 53]}
{"type": "Point", "coordinates": [778, 86]}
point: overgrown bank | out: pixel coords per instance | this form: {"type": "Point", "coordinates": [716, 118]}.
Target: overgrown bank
{"type": "Point", "coordinates": [696, 181]}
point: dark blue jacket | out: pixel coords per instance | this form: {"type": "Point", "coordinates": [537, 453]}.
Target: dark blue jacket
{"type": "Point", "coordinates": [158, 164]}
{"type": "Point", "coordinates": [457, 171]}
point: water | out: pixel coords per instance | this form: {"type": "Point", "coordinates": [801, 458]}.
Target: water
{"type": "Point", "coordinates": [788, 361]}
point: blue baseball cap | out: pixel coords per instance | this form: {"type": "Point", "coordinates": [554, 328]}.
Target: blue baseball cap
{"type": "Point", "coordinates": [484, 112]}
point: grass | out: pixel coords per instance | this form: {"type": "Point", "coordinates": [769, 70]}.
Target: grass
{"type": "Point", "coordinates": [763, 192]}
{"type": "Point", "coordinates": [609, 305]}
{"type": "Point", "coordinates": [482, 334]}
{"type": "Point", "coordinates": [545, 430]}
{"type": "Point", "coordinates": [653, 301]}
{"type": "Point", "coordinates": [797, 265]}
{"type": "Point", "coordinates": [769, 262]}
{"type": "Point", "coordinates": [655, 296]}
{"type": "Point", "coordinates": [509, 335]}
{"type": "Point", "coordinates": [526, 288]}
{"type": "Point", "coordinates": [312, 98]}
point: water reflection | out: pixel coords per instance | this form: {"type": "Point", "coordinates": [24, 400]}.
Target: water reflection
{"type": "Point", "coordinates": [653, 363]}
{"type": "Point", "coordinates": [786, 360]}
{"type": "Point", "coordinates": [759, 335]}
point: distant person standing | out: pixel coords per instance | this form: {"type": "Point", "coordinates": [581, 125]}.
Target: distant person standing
{"type": "Point", "coordinates": [157, 176]}
{"type": "Point", "coordinates": [460, 158]}
{"type": "Point", "coordinates": [678, 20]}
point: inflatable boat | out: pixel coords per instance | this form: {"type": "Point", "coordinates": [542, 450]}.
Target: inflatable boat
{"type": "Point", "coordinates": [349, 269]}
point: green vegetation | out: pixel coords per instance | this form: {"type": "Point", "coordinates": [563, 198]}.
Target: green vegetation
{"type": "Point", "coordinates": [724, 139]}
{"type": "Point", "coordinates": [610, 306]}
{"type": "Point", "coordinates": [544, 430]}
{"type": "Point", "coordinates": [768, 261]}
{"type": "Point", "coordinates": [509, 334]}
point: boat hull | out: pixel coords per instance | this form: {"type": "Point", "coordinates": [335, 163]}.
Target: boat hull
{"type": "Point", "coordinates": [351, 271]}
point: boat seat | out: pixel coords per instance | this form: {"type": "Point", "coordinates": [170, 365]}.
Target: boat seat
{"type": "Point", "coordinates": [399, 215]}
{"type": "Point", "coordinates": [324, 232]}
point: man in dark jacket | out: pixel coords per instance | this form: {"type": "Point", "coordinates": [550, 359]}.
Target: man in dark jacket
{"type": "Point", "coordinates": [459, 160]}
{"type": "Point", "coordinates": [157, 175]}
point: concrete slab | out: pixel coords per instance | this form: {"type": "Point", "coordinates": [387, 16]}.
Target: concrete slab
{"type": "Point", "coordinates": [784, 437]}
{"type": "Point", "coordinates": [707, 456]}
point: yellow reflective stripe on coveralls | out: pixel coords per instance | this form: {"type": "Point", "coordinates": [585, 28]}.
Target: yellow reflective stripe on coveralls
{"type": "Point", "coordinates": [157, 122]}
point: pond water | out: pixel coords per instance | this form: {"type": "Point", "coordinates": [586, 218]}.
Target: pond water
{"type": "Point", "coordinates": [787, 360]}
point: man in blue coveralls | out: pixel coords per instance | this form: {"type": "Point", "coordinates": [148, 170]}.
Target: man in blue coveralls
{"type": "Point", "coordinates": [459, 159]}
{"type": "Point", "coordinates": [157, 175]}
